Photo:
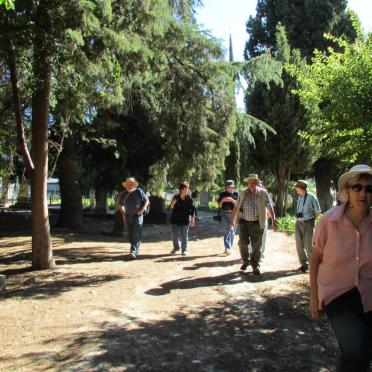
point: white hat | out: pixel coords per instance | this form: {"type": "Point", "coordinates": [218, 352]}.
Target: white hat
{"type": "Point", "coordinates": [252, 177]}
{"type": "Point", "coordinates": [345, 178]}
{"type": "Point", "coordinates": [130, 179]}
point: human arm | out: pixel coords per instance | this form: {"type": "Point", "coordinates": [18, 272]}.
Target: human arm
{"type": "Point", "coordinates": [173, 202]}
{"type": "Point", "coordinates": [234, 216]}
{"type": "Point", "coordinates": [120, 205]}
{"type": "Point", "coordinates": [143, 208]}
{"type": "Point", "coordinates": [315, 261]}
{"type": "Point", "coordinates": [270, 209]}
{"type": "Point", "coordinates": [227, 199]}
{"type": "Point", "coordinates": [121, 209]}
{"type": "Point", "coordinates": [316, 208]}
{"type": "Point", "coordinates": [272, 216]}
{"type": "Point", "coordinates": [319, 241]}
{"type": "Point", "coordinates": [192, 214]}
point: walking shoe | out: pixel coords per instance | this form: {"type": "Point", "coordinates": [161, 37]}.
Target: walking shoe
{"type": "Point", "coordinates": [132, 255]}
{"type": "Point", "coordinates": [244, 266]}
{"type": "Point", "coordinates": [227, 252]}
{"type": "Point", "coordinates": [185, 253]}
{"type": "Point", "coordinates": [256, 271]}
{"type": "Point", "coordinates": [303, 268]}
{"type": "Point", "coordinates": [174, 251]}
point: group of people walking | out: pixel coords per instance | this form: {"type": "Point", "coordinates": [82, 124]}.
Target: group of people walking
{"type": "Point", "coordinates": [338, 253]}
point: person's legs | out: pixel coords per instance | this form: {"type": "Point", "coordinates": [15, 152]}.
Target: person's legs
{"type": "Point", "coordinates": [184, 230]}
{"type": "Point", "coordinates": [228, 238]}
{"type": "Point", "coordinates": [368, 320]}
{"type": "Point", "coordinates": [136, 233]}
{"type": "Point", "coordinates": [263, 245]}
{"type": "Point", "coordinates": [175, 236]}
{"type": "Point", "coordinates": [350, 325]}
{"type": "Point", "coordinates": [299, 236]}
{"type": "Point", "coordinates": [256, 234]}
{"type": "Point", "coordinates": [244, 242]}
{"type": "Point", "coordinates": [134, 224]}
{"type": "Point", "coordinates": [308, 230]}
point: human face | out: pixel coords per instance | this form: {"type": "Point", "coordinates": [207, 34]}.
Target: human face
{"type": "Point", "coordinates": [300, 191]}
{"type": "Point", "coordinates": [184, 191]}
{"type": "Point", "coordinates": [252, 185]}
{"type": "Point", "coordinates": [130, 185]}
{"type": "Point", "coordinates": [230, 189]}
{"type": "Point", "coordinates": [360, 194]}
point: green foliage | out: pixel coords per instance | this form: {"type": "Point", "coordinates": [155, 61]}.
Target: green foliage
{"type": "Point", "coordinates": [338, 88]}
{"type": "Point", "coordinates": [286, 224]}
{"type": "Point", "coordinates": [305, 22]}
{"type": "Point", "coordinates": [193, 75]}
{"type": "Point", "coordinates": [285, 151]}
{"type": "Point", "coordinates": [8, 4]}
{"type": "Point", "coordinates": [213, 206]}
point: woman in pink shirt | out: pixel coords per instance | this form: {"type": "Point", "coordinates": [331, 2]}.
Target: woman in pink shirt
{"type": "Point", "coordinates": [341, 269]}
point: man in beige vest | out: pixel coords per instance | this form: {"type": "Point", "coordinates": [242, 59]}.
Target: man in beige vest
{"type": "Point", "coordinates": [250, 212]}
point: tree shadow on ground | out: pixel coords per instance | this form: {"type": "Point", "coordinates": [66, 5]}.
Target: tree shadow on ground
{"type": "Point", "coordinates": [232, 335]}
{"type": "Point", "coordinates": [212, 264]}
{"type": "Point", "coordinates": [211, 281]}
{"type": "Point", "coordinates": [49, 284]}
{"type": "Point", "coordinates": [179, 257]}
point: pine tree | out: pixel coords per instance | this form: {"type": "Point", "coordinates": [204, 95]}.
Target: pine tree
{"type": "Point", "coordinates": [285, 152]}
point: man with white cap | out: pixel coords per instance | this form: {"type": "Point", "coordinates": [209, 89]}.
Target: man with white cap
{"type": "Point", "coordinates": [133, 204]}
{"type": "Point", "coordinates": [250, 211]}
{"type": "Point", "coordinates": [227, 200]}
{"type": "Point", "coordinates": [307, 210]}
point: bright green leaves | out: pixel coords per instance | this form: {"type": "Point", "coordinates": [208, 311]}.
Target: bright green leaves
{"type": "Point", "coordinates": [9, 4]}
{"type": "Point", "coordinates": [338, 88]}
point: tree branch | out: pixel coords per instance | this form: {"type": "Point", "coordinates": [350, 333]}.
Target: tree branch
{"type": "Point", "coordinates": [18, 107]}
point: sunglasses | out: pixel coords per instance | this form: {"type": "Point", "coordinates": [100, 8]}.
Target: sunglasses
{"type": "Point", "coordinates": [358, 188]}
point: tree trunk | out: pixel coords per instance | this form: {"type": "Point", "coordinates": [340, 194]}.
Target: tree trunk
{"type": "Point", "coordinates": [92, 198]}
{"type": "Point", "coordinates": [23, 194]}
{"type": "Point", "coordinates": [232, 162]}
{"type": "Point", "coordinates": [42, 253]}
{"type": "Point", "coordinates": [281, 171]}
{"type": "Point", "coordinates": [18, 107]}
{"type": "Point", "coordinates": [4, 192]}
{"type": "Point", "coordinates": [101, 200]}
{"type": "Point", "coordinates": [71, 213]}
{"type": "Point", "coordinates": [323, 180]}
{"type": "Point", "coordinates": [288, 177]}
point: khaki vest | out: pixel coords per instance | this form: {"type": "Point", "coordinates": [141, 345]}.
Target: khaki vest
{"type": "Point", "coordinates": [261, 205]}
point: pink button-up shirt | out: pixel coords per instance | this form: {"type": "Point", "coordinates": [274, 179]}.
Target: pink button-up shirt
{"type": "Point", "coordinates": [346, 257]}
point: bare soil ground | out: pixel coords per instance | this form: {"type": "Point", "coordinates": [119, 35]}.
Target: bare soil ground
{"type": "Point", "coordinates": [99, 311]}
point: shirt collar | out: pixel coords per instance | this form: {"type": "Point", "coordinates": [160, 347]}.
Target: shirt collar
{"type": "Point", "coordinates": [340, 211]}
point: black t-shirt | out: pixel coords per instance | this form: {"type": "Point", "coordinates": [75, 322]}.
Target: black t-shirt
{"type": "Point", "coordinates": [228, 206]}
{"type": "Point", "coordinates": [183, 209]}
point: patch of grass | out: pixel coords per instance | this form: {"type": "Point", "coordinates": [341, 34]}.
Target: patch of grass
{"type": "Point", "coordinates": [286, 224]}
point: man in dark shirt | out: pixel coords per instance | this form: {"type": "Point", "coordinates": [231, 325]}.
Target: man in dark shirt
{"type": "Point", "coordinates": [227, 201]}
{"type": "Point", "coordinates": [133, 204]}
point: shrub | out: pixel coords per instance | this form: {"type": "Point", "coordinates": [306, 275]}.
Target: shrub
{"type": "Point", "coordinates": [286, 224]}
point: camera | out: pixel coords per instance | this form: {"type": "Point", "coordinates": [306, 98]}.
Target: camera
{"type": "Point", "coordinates": [300, 215]}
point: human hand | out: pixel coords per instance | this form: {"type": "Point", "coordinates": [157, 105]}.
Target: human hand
{"type": "Point", "coordinates": [275, 227]}
{"type": "Point", "coordinates": [314, 308]}
{"type": "Point", "coordinates": [192, 223]}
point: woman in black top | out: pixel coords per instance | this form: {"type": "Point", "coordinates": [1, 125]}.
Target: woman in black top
{"type": "Point", "coordinates": [182, 217]}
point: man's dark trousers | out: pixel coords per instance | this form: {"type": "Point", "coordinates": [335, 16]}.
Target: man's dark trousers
{"type": "Point", "coordinates": [250, 232]}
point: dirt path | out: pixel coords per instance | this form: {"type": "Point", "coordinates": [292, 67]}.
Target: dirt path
{"type": "Point", "coordinates": [97, 311]}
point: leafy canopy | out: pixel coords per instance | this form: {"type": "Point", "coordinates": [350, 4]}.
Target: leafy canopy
{"type": "Point", "coordinates": [338, 89]}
